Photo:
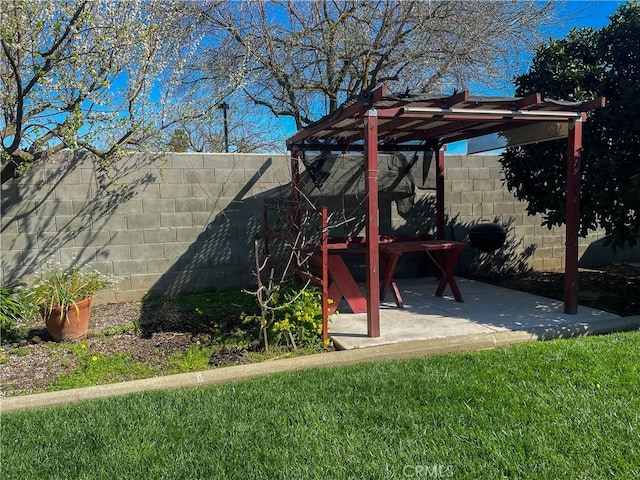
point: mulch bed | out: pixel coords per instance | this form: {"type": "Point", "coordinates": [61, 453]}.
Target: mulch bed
{"type": "Point", "coordinates": [34, 363]}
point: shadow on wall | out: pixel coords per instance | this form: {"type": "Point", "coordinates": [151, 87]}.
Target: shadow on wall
{"type": "Point", "coordinates": [61, 209]}
{"type": "Point", "coordinates": [222, 254]}
{"type": "Point", "coordinates": [406, 207]}
{"type": "Point", "coordinates": [600, 253]}
{"type": "Point", "coordinates": [511, 258]}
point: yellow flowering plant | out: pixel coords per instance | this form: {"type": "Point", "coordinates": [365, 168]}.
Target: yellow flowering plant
{"type": "Point", "coordinates": [295, 312]}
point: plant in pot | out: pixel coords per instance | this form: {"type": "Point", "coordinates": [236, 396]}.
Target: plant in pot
{"type": "Point", "coordinates": [63, 294]}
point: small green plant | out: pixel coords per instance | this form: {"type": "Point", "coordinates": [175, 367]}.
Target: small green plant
{"type": "Point", "coordinates": [61, 286]}
{"type": "Point", "coordinates": [96, 368]}
{"type": "Point", "coordinates": [133, 327]}
{"type": "Point", "coordinates": [20, 352]}
{"type": "Point", "coordinates": [10, 311]}
{"type": "Point", "coordinates": [194, 359]}
{"type": "Point", "coordinates": [296, 315]}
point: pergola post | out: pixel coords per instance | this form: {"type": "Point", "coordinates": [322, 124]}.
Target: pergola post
{"type": "Point", "coordinates": [372, 229]}
{"type": "Point", "coordinates": [440, 193]}
{"type": "Point", "coordinates": [574, 152]}
{"type": "Point", "coordinates": [295, 174]}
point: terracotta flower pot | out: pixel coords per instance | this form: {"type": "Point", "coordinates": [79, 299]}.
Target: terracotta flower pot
{"type": "Point", "coordinates": [73, 324]}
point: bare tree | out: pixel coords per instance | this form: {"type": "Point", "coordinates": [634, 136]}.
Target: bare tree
{"type": "Point", "coordinates": [103, 77]}
{"type": "Point", "coordinates": [247, 132]}
{"type": "Point", "coordinates": [305, 58]}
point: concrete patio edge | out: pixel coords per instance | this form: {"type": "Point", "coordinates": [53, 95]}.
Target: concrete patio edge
{"type": "Point", "coordinates": [396, 351]}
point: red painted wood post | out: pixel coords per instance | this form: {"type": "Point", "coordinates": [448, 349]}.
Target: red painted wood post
{"type": "Point", "coordinates": [372, 229]}
{"type": "Point", "coordinates": [574, 152]}
{"type": "Point", "coordinates": [325, 276]}
{"type": "Point", "coordinates": [440, 193]}
{"type": "Point", "coordinates": [295, 190]}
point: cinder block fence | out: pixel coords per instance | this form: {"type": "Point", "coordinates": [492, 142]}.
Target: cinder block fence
{"type": "Point", "coordinates": [173, 222]}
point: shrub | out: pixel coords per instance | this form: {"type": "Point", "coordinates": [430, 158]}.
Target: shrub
{"type": "Point", "coordinates": [10, 311]}
{"type": "Point", "coordinates": [293, 315]}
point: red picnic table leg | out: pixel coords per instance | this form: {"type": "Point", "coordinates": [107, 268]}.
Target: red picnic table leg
{"type": "Point", "coordinates": [396, 295]}
{"type": "Point", "coordinates": [342, 285]}
{"type": "Point", "coordinates": [389, 264]}
{"type": "Point", "coordinates": [447, 266]}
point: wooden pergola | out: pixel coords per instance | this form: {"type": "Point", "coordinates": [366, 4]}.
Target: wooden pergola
{"type": "Point", "coordinates": [412, 122]}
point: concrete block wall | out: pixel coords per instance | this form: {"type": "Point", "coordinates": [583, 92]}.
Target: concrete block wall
{"type": "Point", "coordinates": [173, 222]}
{"type": "Point", "coordinates": [475, 191]}
{"type": "Point", "coordinates": [163, 223]}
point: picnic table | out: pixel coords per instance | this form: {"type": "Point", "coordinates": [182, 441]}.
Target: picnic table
{"type": "Point", "coordinates": [390, 253]}
{"type": "Point", "coordinates": [342, 284]}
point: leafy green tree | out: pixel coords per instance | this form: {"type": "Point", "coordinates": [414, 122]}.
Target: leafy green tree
{"type": "Point", "coordinates": [586, 64]}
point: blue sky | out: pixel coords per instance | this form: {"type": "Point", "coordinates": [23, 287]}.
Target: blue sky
{"type": "Point", "coordinates": [594, 13]}
{"type": "Point", "coordinates": [581, 13]}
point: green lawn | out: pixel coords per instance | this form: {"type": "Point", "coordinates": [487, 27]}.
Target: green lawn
{"type": "Point", "coordinates": [560, 409]}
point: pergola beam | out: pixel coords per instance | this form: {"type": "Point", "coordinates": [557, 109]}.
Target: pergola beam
{"type": "Point", "coordinates": [353, 110]}
{"type": "Point", "coordinates": [528, 101]}
{"type": "Point", "coordinates": [486, 114]}
{"type": "Point", "coordinates": [457, 99]}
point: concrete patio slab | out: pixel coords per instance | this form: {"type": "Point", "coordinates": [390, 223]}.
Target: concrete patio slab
{"type": "Point", "coordinates": [486, 309]}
